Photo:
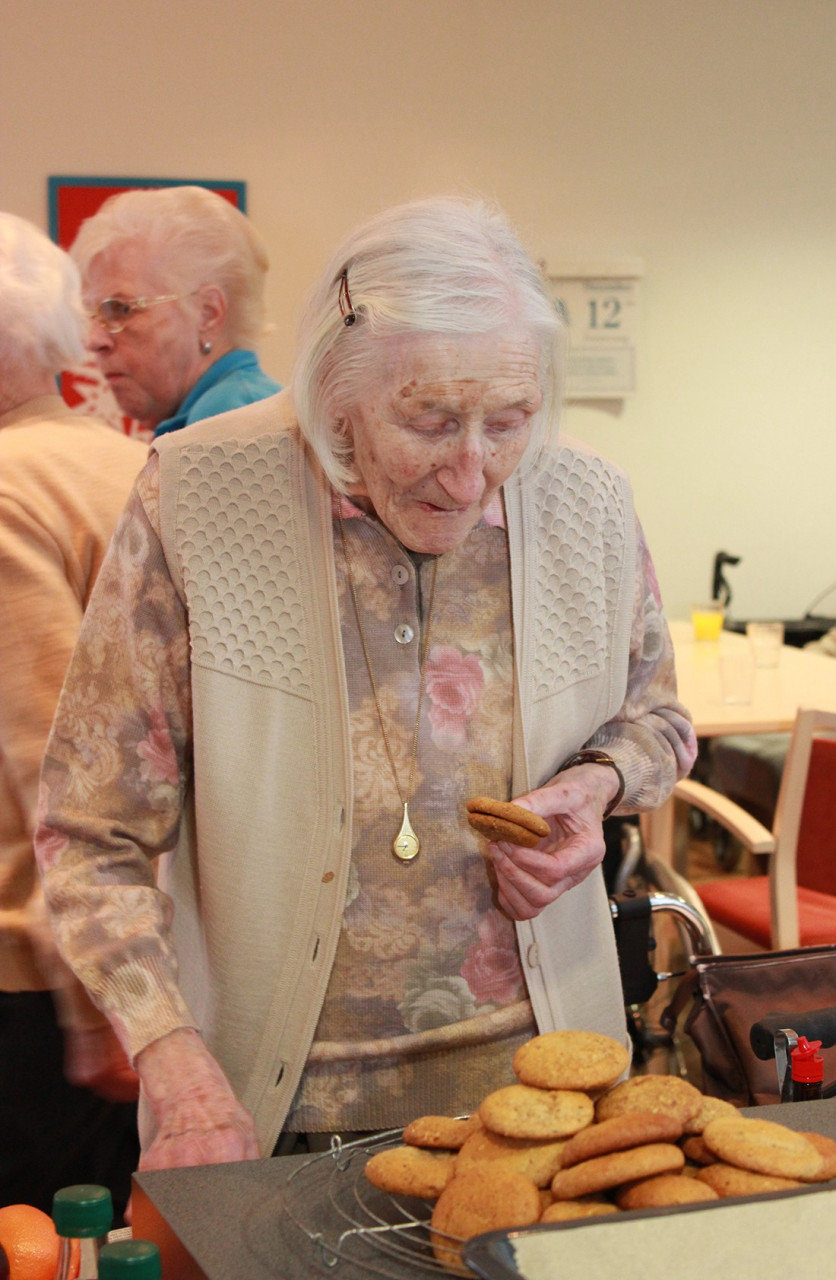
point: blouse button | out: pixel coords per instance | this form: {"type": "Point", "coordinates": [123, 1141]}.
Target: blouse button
{"type": "Point", "coordinates": [400, 574]}
{"type": "Point", "coordinates": [404, 634]}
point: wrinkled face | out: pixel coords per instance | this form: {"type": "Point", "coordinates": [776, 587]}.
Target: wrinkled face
{"type": "Point", "coordinates": [155, 361]}
{"type": "Point", "coordinates": [443, 424]}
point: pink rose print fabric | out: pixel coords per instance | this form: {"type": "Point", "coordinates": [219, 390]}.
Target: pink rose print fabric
{"type": "Point", "coordinates": [454, 684]}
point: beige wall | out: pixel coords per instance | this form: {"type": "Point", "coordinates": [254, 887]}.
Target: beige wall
{"type": "Point", "coordinates": [697, 135]}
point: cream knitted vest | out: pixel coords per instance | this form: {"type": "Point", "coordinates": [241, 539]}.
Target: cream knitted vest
{"type": "Point", "coordinates": [260, 876]}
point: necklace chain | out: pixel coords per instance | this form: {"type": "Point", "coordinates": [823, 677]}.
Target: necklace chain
{"type": "Point", "coordinates": [405, 846]}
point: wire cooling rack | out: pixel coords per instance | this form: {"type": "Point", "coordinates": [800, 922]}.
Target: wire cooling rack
{"type": "Point", "coordinates": [349, 1220]}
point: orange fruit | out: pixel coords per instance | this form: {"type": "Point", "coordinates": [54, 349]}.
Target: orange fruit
{"type": "Point", "coordinates": [31, 1243]}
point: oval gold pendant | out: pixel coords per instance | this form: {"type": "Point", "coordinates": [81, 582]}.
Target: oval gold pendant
{"type": "Point", "coordinates": [405, 846]}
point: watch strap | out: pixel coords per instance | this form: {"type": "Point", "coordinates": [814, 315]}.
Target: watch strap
{"type": "Point", "coordinates": [592, 755]}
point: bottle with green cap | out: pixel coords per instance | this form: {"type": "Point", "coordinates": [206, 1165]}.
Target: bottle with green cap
{"type": "Point", "coordinates": [130, 1260]}
{"type": "Point", "coordinates": [83, 1213]}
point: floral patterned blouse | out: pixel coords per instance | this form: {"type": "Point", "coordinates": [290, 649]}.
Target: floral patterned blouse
{"type": "Point", "coordinates": [426, 999]}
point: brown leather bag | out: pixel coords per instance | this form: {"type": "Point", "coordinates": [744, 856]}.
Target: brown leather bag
{"type": "Point", "coordinates": [725, 995]}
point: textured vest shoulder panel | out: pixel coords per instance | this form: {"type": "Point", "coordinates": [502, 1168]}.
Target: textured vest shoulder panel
{"type": "Point", "coordinates": [580, 525]}
{"type": "Point", "coordinates": [239, 564]}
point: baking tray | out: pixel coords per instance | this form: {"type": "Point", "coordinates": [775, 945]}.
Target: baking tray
{"type": "Point", "coordinates": [753, 1239]}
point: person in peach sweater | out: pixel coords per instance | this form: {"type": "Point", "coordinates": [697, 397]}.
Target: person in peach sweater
{"type": "Point", "coordinates": [64, 480]}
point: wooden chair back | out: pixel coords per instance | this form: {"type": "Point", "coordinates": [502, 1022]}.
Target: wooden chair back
{"type": "Point", "coordinates": [805, 822]}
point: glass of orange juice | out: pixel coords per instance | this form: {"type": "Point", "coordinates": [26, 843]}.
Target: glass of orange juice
{"type": "Point", "coordinates": [707, 620]}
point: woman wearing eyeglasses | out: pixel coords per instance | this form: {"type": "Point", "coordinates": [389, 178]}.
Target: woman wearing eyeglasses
{"type": "Point", "coordinates": [173, 287]}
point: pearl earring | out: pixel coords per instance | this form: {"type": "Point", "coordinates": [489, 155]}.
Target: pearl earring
{"type": "Point", "coordinates": [206, 347]}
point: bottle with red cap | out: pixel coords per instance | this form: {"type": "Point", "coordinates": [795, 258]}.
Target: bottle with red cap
{"type": "Point", "coordinates": [807, 1069]}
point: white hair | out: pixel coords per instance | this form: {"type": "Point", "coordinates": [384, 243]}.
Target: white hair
{"type": "Point", "coordinates": [40, 300]}
{"type": "Point", "coordinates": [434, 266]}
{"type": "Point", "coordinates": [192, 236]}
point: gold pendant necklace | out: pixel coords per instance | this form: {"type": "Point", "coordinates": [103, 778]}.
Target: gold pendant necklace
{"type": "Point", "coordinates": [406, 845]}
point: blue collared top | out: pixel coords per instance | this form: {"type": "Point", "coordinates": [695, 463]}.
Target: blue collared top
{"type": "Point", "coordinates": [234, 380]}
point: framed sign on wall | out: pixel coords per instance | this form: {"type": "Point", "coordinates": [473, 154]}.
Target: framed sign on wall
{"type": "Point", "coordinates": [600, 305]}
{"type": "Point", "coordinates": [71, 199]}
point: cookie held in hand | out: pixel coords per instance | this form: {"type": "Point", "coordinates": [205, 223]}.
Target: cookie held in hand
{"type": "Point", "coordinates": [502, 820]}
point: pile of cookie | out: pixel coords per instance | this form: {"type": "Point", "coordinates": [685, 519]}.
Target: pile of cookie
{"type": "Point", "coordinates": [570, 1141]}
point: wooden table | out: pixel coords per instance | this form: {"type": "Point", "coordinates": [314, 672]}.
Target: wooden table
{"type": "Point", "coordinates": [803, 678]}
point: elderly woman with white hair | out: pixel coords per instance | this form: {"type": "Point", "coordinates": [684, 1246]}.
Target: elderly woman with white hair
{"type": "Point", "coordinates": [331, 620]}
{"type": "Point", "coordinates": [64, 480]}
{"type": "Point", "coordinates": [174, 289]}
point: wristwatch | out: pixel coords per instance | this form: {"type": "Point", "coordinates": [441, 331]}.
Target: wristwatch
{"type": "Point", "coordinates": [591, 755]}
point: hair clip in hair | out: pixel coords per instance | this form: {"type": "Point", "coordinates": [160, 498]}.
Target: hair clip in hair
{"type": "Point", "coordinates": [344, 298]}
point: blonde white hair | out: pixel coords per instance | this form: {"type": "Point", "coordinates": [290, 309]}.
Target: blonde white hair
{"type": "Point", "coordinates": [191, 236]}
{"type": "Point", "coordinates": [443, 265]}
{"type": "Point", "coordinates": [41, 318]}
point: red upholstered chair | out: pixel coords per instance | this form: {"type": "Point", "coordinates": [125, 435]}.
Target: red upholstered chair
{"type": "Point", "coordinates": [795, 903]}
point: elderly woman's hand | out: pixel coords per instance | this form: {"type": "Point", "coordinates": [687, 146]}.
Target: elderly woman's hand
{"type": "Point", "coordinates": [573, 803]}
{"type": "Point", "coordinates": [198, 1118]}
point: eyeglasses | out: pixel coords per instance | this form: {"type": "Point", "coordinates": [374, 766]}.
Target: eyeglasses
{"type": "Point", "coordinates": [114, 313]}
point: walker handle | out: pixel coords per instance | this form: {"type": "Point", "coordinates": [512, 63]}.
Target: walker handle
{"type": "Point", "coordinates": [815, 1024]}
